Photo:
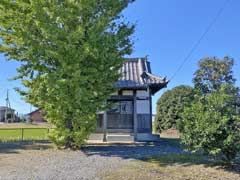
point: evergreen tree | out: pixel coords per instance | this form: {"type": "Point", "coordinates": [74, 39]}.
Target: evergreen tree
{"type": "Point", "coordinates": [212, 73]}
{"type": "Point", "coordinates": [170, 106]}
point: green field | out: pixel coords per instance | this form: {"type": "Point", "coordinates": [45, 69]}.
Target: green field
{"type": "Point", "coordinates": [23, 134]}
{"type": "Point", "coordinates": [19, 132]}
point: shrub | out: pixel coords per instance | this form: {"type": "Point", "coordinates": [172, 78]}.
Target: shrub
{"type": "Point", "coordinates": [211, 123]}
{"type": "Point", "coordinates": [171, 105]}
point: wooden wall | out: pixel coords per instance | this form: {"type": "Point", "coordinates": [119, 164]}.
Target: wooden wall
{"type": "Point", "coordinates": [143, 106]}
{"type": "Point", "coordinates": [144, 111]}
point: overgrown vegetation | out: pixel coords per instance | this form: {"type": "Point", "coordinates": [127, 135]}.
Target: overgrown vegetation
{"type": "Point", "coordinates": [70, 53]}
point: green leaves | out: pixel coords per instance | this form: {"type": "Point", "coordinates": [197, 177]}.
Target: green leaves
{"type": "Point", "coordinates": [210, 124]}
{"type": "Point", "coordinates": [210, 121]}
{"type": "Point", "coordinates": [171, 105]}
{"type": "Point", "coordinates": [71, 52]}
{"type": "Point", "coordinates": [208, 115]}
{"type": "Point", "coordinates": [212, 73]}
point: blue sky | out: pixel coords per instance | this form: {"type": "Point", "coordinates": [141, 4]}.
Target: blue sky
{"type": "Point", "coordinates": [166, 31]}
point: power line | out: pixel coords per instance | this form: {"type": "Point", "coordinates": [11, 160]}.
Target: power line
{"type": "Point", "coordinates": [16, 103]}
{"type": "Point", "coordinates": [200, 39]}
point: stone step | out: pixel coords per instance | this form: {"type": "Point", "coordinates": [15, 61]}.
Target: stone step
{"type": "Point", "coordinates": [120, 138]}
{"type": "Point", "coordinates": [124, 137]}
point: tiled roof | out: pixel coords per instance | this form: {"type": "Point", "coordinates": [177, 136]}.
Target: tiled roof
{"type": "Point", "coordinates": [136, 73]}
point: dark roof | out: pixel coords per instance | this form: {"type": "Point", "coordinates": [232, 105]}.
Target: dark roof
{"type": "Point", "coordinates": [136, 73]}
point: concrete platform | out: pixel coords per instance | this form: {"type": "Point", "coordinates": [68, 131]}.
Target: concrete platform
{"type": "Point", "coordinates": [100, 142]}
{"type": "Point", "coordinates": [123, 138]}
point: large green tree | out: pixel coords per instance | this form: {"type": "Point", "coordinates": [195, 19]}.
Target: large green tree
{"type": "Point", "coordinates": [212, 73]}
{"type": "Point", "coordinates": [70, 52]}
{"type": "Point", "coordinates": [212, 123]}
{"type": "Point", "coordinates": [170, 106]}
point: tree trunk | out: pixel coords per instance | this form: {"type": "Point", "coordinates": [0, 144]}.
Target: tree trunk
{"type": "Point", "coordinates": [69, 142]}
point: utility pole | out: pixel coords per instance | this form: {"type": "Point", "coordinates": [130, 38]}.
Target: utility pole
{"type": "Point", "coordinates": [8, 108]}
{"type": "Point", "coordinates": [28, 119]}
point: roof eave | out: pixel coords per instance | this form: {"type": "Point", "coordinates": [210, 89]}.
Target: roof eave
{"type": "Point", "coordinates": [154, 87]}
{"type": "Point", "coordinates": [157, 87]}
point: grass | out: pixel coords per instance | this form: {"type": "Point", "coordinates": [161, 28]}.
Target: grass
{"type": "Point", "coordinates": [172, 136]}
{"type": "Point", "coordinates": [175, 166]}
{"type": "Point", "coordinates": [167, 159]}
{"type": "Point", "coordinates": [25, 125]}
{"type": "Point", "coordinates": [21, 131]}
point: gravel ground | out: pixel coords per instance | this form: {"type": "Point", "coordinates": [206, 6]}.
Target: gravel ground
{"type": "Point", "coordinates": [41, 161]}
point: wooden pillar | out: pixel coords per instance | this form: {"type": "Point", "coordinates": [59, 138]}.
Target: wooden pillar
{"type": "Point", "coordinates": [105, 126]}
{"type": "Point", "coordinates": [135, 122]}
{"type": "Point", "coordinates": [150, 102]}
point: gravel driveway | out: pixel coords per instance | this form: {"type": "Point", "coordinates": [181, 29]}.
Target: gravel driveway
{"type": "Point", "coordinates": [40, 161]}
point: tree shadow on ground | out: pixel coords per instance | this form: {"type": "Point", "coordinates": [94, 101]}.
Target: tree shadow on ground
{"type": "Point", "coordinates": [189, 159]}
{"type": "Point", "coordinates": [15, 147]}
{"type": "Point", "coordinates": [135, 151]}
{"type": "Point", "coordinates": [166, 152]}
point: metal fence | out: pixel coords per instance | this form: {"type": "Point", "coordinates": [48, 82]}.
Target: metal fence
{"type": "Point", "coordinates": [23, 134]}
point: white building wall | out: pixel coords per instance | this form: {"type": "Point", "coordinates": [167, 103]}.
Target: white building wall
{"type": "Point", "coordinates": [143, 102]}
{"type": "Point", "coordinates": [142, 94]}
{"type": "Point", "coordinates": [143, 107]}
{"type": "Point", "coordinates": [127, 92]}
{"type": "Point", "coordinates": [2, 115]}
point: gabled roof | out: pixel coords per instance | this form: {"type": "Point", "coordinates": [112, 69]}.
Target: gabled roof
{"type": "Point", "coordinates": [136, 74]}
{"type": "Point", "coordinates": [36, 110]}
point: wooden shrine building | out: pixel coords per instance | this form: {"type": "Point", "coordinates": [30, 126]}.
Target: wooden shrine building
{"type": "Point", "coordinates": [131, 112]}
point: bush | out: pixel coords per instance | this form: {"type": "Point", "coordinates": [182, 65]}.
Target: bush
{"type": "Point", "coordinates": [211, 123]}
{"type": "Point", "coordinates": [171, 105]}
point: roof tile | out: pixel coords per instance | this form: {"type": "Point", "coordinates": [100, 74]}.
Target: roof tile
{"type": "Point", "coordinates": [136, 72]}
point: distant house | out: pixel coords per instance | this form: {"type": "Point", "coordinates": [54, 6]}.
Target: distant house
{"type": "Point", "coordinates": [7, 114]}
{"type": "Point", "coordinates": [36, 116]}
{"type": "Point", "coordinates": [131, 112]}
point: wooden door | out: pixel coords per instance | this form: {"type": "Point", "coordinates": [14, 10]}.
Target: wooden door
{"type": "Point", "coordinates": [120, 116]}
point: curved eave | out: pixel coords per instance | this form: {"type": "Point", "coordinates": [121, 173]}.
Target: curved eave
{"type": "Point", "coordinates": [155, 83]}
{"type": "Point", "coordinates": [155, 87]}
{"type": "Point", "coordinates": [143, 80]}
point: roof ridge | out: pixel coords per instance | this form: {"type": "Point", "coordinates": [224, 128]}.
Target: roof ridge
{"type": "Point", "coordinates": [136, 59]}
